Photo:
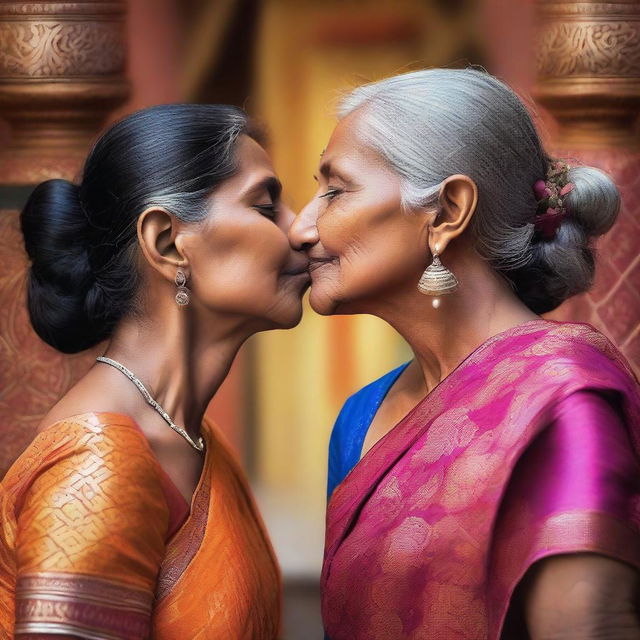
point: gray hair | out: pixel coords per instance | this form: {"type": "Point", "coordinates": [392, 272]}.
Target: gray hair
{"type": "Point", "coordinates": [434, 123]}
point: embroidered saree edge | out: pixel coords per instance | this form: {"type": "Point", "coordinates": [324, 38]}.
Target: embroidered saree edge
{"type": "Point", "coordinates": [589, 531]}
{"type": "Point", "coordinates": [185, 544]}
{"type": "Point", "coordinates": [59, 603]}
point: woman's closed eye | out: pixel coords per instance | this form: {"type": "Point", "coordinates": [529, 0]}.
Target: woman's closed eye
{"type": "Point", "coordinates": [268, 210]}
{"type": "Point", "coordinates": [331, 193]}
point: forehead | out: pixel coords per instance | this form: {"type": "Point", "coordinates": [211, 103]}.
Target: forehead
{"type": "Point", "coordinates": [254, 175]}
{"type": "Point", "coordinates": [347, 149]}
{"type": "Point", "coordinates": [251, 156]}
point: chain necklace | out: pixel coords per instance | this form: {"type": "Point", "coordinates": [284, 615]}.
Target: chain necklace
{"type": "Point", "coordinates": [199, 445]}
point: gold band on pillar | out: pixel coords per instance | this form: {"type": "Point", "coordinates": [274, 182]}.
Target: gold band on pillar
{"type": "Point", "coordinates": [588, 59]}
{"type": "Point", "coordinates": [62, 68]}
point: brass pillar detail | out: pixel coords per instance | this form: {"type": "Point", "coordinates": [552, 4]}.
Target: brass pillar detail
{"type": "Point", "coordinates": [589, 80]}
{"type": "Point", "coordinates": [588, 58]}
{"type": "Point", "coordinates": [61, 73]}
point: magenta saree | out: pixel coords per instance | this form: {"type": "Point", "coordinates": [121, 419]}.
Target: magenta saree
{"type": "Point", "coordinates": [528, 449]}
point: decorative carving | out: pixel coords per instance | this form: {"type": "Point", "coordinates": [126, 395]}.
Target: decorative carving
{"type": "Point", "coordinates": [588, 57]}
{"type": "Point", "coordinates": [50, 49]}
{"type": "Point", "coordinates": [33, 375]}
{"type": "Point", "coordinates": [85, 9]}
{"type": "Point", "coordinates": [61, 73]}
{"type": "Point", "coordinates": [578, 49]}
{"type": "Point", "coordinates": [613, 302]}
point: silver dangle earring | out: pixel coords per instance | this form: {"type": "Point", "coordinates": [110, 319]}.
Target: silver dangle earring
{"type": "Point", "coordinates": [437, 280]}
{"type": "Point", "coordinates": [182, 296]}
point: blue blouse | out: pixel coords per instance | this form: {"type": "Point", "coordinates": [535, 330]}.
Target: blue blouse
{"type": "Point", "coordinates": [352, 424]}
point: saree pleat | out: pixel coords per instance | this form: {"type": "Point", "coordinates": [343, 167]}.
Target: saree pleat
{"type": "Point", "coordinates": [500, 465]}
{"type": "Point", "coordinates": [222, 554]}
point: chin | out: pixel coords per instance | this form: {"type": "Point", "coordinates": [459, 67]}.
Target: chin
{"type": "Point", "coordinates": [322, 303]}
{"type": "Point", "coordinates": [291, 322]}
{"type": "Point", "coordinates": [288, 317]}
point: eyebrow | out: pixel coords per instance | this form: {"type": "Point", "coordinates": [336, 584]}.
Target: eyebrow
{"type": "Point", "coordinates": [271, 184]}
{"type": "Point", "coordinates": [325, 167]}
{"type": "Point", "coordinates": [326, 170]}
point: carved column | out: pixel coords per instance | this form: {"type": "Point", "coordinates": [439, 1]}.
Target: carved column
{"type": "Point", "coordinates": [61, 73]}
{"type": "Point", "coordinates": [589, 80]}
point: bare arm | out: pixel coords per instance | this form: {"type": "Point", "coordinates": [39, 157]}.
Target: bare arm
{"type": "Point", "coordinates": [582, 597]}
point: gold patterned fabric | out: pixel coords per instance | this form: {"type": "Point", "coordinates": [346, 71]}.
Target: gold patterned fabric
{"type": "Point", "coordinates": [85, 517]}
{"type": "Point", "coordinates": [96, 542]}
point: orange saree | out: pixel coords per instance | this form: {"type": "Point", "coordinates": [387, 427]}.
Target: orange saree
{"type": "Point", "coordinates": [96, 541]}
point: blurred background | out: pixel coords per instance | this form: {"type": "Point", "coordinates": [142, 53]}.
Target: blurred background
{"type": "Point", "coordinates": [67, 69]}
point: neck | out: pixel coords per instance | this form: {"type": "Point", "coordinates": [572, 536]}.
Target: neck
{"type": "Point", "coordinates": [181, 364]}
{"type": "Point", "coordinates": [483, 306]}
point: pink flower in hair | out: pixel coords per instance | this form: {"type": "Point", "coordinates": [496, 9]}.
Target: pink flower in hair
{"type": "Point", "coordinates": [540, 190]}
{"type": "Point", "coordinates": [566, 189]}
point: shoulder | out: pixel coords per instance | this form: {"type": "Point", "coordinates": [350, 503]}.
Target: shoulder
{"type": "Point", "coordinates": [98, 434]}
{"type": "Point", "coordinates": [101, 487]}
{"type": "Point", "coordinates": [101, 455]}
{"type": "Point", "coordinates": [574, 355]}
{"type": "Point", "coordinates": [579, 343]}
{"type": "Point", "coordinates": [101, 432]}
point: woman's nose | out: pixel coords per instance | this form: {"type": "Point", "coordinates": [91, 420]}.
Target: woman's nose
{"type": "Point", "coordinates": [285, 217]}
{"type": "Point", "coordinates": [303, 233]}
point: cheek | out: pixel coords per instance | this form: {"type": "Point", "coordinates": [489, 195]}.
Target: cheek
{"type": "Point", "coordinates": [338, 228]}
{"type": "Point", "coordinates": [378, 263]}
{"type": "Point", "coordinates": [373, 249]}
{"type": "Point", "coordinates": [239, 269]}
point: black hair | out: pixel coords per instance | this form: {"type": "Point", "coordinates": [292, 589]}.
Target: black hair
{"type": "Point", "coordinates": [81, 239]}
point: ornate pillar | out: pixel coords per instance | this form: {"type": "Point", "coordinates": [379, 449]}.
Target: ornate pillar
{"type": "Point", "coordinates": [588, 57]}
{"type": "Point", "coordinates": [61, 73]}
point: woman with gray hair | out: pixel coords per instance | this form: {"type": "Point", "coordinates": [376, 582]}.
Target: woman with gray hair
{"type": "Point", "coordinates": [489, 487]}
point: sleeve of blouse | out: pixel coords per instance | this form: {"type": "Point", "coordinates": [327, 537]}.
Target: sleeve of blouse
{"type": "Point", "coordinates": [90, 538]}
{"type": "Point", "coordinates": [575, 489]}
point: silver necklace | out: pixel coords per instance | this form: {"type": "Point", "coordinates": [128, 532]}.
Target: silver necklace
{"type": "Point", "coordinates": [199, 445]}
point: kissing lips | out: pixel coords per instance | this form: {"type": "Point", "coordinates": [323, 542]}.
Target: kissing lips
{"type": "Point", "coordinates": [316, 263]}
{"type": "Point", "coordinates": [298, 270]}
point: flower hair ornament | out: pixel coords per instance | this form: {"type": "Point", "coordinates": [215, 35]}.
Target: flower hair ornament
{"type": "Point", "coordinates": [550, 194]}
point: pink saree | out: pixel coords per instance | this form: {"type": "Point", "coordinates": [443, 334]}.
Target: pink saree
{"type": "Point", "coordinates": [528, 449]}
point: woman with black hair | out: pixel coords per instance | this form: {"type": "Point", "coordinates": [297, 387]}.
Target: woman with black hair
{"type": "Point", "coordinates": [127, 517]}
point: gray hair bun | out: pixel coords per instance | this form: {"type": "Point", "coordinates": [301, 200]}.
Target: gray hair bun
{"type": "Point", "coordinates": [564, 265]}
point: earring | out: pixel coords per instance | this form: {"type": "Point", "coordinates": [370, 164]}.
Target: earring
{"type": "Point", "coordinates": [182, 296]}
{"type": "Point", "coordinates": [437, 280]}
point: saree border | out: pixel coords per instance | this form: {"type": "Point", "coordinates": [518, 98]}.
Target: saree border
{"type": "Point", "coordinates": [186, 543]}
{"type": "Point", "coordinates": [564, 533]}
{"type": "Point", "coordinates": [78, 604]}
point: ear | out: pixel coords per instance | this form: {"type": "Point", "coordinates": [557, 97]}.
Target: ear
{"type": "Point", "coordinates": [159, 238]}
{"type": "Point", "coordinates": [458, 201]}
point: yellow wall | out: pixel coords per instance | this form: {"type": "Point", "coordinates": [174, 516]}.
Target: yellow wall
{"type": "Point", "coordinates": [309, 53]}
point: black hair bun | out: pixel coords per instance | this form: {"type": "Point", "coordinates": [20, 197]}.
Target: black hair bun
{"type": "Point", "coordinates": [82, 240]}
{"type": "Point", "coordinates": [56, 231]}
